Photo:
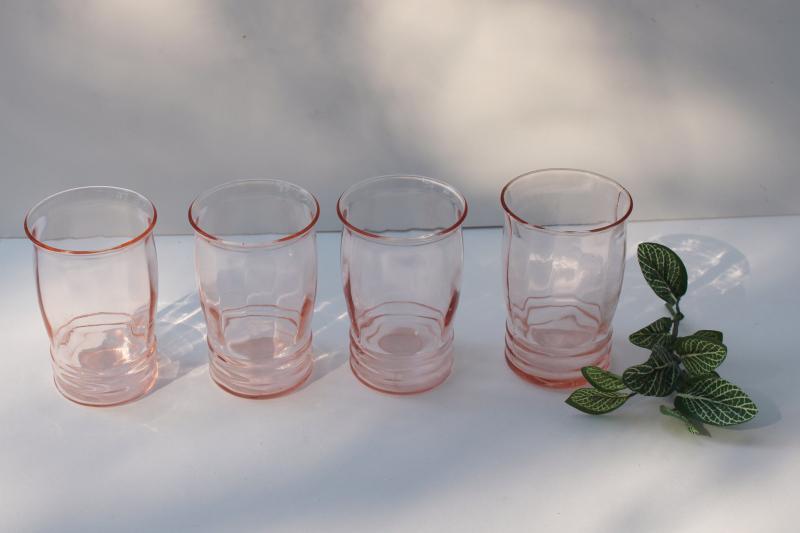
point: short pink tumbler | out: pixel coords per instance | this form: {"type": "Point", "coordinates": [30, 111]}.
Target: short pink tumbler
{"type": "Point", "coordinates": [402, 257]}
{"type": "Point", "coordinates": [564, 257]}
{"type": "Point", "coordinates": [97, 278]}
{"type": "Point", "coordinates": [256, 261]}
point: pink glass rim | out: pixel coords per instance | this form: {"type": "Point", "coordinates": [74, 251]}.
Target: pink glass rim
{"type": "Point", "coordinates": [236, 183]}
{"type": "Point", "coordinates": [404, 240]}
{"type": "Point", "coordinates": [147, 231]}
{"type": "Point", "coordinates": [591, 174]}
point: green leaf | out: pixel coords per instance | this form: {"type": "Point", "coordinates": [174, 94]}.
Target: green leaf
{"type": "Point", "coordinates": [658, 376]}
{"type": "Point", "coordinates": [602, 379]}
{"type": "Point", "coordinates": [596, 402]}
{"type": "Point", "coordinates": [656, 333]}
{"type": "Point", "coordinates": [685, 380]}
{"type": "Point", "coordinates": [709, 335]}
{"type": "Point", "coordinates": [693, 427]}
{"type": "Point", "coordinates": [700, 356]}
{"type": "Point", "coordinates": [716, 401]}
{"type": "Point", "coordinates": [663, 270]}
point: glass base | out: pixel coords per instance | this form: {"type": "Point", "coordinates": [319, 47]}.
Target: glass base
{"type": "Point", "coordinates": [258, 380]}
{"type": "Point", "coordinates": [555, 369]}
{"type": "Point", "coordinates": [401, 373]}
{"type": "Point", "coordinates": [115, 385]}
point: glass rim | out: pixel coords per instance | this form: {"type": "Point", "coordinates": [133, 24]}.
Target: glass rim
{"type": "Point", "coordinates": [510, 212]}
{"type": "Point", "coordinates": [144, 233]}
{"type": "Point", "coordinates": [236, 183]}
{"type": "Point", "coordinates": [404, 240]}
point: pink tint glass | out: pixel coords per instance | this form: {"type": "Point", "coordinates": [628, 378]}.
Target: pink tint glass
{"type": "Point", "coordinates": [256, 260]}
{"type": "Point", "coordinates": [564, 257]}
{"type": "Point", "coordinates": [97, 278]}
{"type": "Point", "coordinates": [402, 256]}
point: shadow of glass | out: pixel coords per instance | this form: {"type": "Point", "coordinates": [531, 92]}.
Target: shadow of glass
{"type": "Point", "coordinates": [714, 266]}
{"type": "Point", "coordinates": [325, 362]}
{"type": "Point", "coordinates": [181, 333]}
{"type": "Point", "coordinates": [717, 272]}
{"type": "Point", "coordinates": [182, 348]}
{"type": "Point", "coordinates": [329, 352]}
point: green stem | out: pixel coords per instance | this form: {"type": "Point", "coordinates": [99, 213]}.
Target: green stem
{"type": "Point", "coordinates": [677, 316]}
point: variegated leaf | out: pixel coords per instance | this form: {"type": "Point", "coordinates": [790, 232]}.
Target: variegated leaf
{"type": "Point", "coordinates": [663, 270]}
{"type": "Point", "coordinates": [685, 380]}
{"type": "Point", "coordinates": [709, 335]}
{"type": "Point", "coordinates": [656, 333]}
{"type": "Point", "coordinates": [596, 402]}
{"type": "Point", "coordinates": [716, 401]}
{"type": "Point", "coordinates": [700, 356]}
{"type": "Point", "coordinates": [691, 425]}
{"type": "Point", "coordinates": [602, 379]}
{"type": "Point", "coordinates": [658, 376]}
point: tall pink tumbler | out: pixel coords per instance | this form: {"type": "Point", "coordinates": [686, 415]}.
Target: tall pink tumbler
{"type": "Point", "coordinates": [97, 279]}
{"type": "Point", "coordinates": [256, 262]}
{"type": "Point", "coordinates": [564, 257]}
{"type": "Point", "coordinates": [402, 257]}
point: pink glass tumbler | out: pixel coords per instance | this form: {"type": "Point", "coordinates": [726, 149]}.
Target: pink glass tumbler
{"type": "Point", "coordinates": [256, 261]}
{"type": "Point", "coordinates": [564, 257]}
{"type": "Point", "coordinates": [402, 256]}
{"type": "Point", "coordinates": [97, 277]}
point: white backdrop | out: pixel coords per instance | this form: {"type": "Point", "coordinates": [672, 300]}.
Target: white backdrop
{"type": "Point", "coordinates": [694, 106]}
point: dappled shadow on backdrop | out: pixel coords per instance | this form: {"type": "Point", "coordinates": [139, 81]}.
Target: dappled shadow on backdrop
{"type": "Point", "coordinates": [691, 105]}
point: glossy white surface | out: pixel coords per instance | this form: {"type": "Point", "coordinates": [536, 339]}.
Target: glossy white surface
{"type": "Point", "coordinates": [485, 451]}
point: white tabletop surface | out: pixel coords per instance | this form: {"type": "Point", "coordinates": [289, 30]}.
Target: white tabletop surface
{"type": "Point", "coordinates": [485, 451]}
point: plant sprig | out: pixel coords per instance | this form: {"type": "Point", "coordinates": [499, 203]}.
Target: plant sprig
{"type": "Point", "coordinates": [682, 367]}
